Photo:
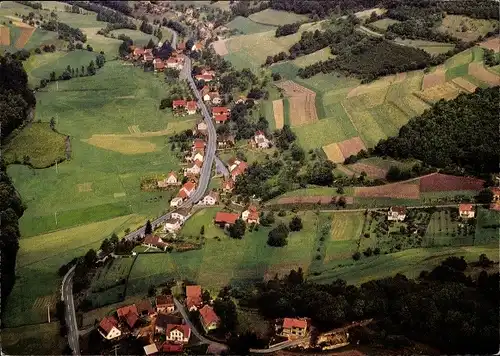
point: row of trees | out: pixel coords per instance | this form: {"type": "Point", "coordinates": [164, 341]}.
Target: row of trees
{"type": "Point", "coordinates": [320, 9]}
{"type": "Point", "coordinates": [32, 4]}
{"type": "Point", "coordinates": [287, 29]}
{"type": "Point", "coordinates": [74, 72]}
{"type": "Point", "coordinates": [106, 14]}
{"type": "Point", "coordinates": [65, 31]}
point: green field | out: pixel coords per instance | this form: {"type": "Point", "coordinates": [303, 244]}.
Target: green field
{"type": "Point", "coordinates": [383, 24]}
{"type": "Point", "coordinates": [37, 141]}
{"type": "Point", "coordinates": [139, 38]}
{"type": "Point", "coordinates": [42, 339]}
{"type": "Point", "coordinates": [276, 18]}
{"type": "Point", "coordinates": [100, 43]}
{"type": "Point", "coordinates": [41, 37]}
{"type": "Point", "coordinates": [487, 226]}
{"type": "Point", "coordinates": [430, 47]}
{"type": "Point", "coordinates": [39, 259]}
{"type": "Point", "coordinates": [246, 26]}
{"type": "Point", "coordinates": [466, 28]}
{"type": "Point", "coordinates": [309, 59]}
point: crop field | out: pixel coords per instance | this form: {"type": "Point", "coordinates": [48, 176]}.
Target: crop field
{"type": "Point", "coordinates": [279, 119]}
{"type": "Point", "coordinates": [314, 191]}
{"type": "Point", "coordinates": [465, 28]}
{"type": "Point", "coordinates": [437, 182]}
{"type": "Point", "coordinates": [4, 36]}
{"type": "Point", "coordinates": [220, 47]}
{"type": "Point", "coordinates": [302, 103]}
{"type": "Point", "coordinates": [492, 43]}
{"type": "Point", "coordinates": [321, 55]}
{"type": "Point", "coordinates": [447, 91]}
{"type": "Point", "coordinates": [276, 17]}
{"type": "Point", "coordinates": [333, 153]}
{"type": "Point", "coordinates": [431, 47]}
{"type": "Point", "coordinates": [465, 84]}
{"type": "Point", "coordinates": [246, 26]}
{"type": "Point", "coordinates": [246, 260]}
{"type": "Point", "coordinates": [40, 257]}
{"type": "Point", "coordinates": [437, 77]}
{"type": "Point", "coordinates": [394, 190]}
{"type": "Point", "coordinates": [383, 24]}
{"type": "Point", "coordinates": [478, 71]}
{"type": "Point", "coordinates": [139, 38]}
{"type": "Point", "coordinates": [37, 141]}
{"type": "Point", "coordinates": [41, 339]}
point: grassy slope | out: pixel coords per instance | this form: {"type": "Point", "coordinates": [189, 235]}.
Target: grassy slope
{"type": "Point", "coordinates": [139, 38]}
{"type": "Point", "coordinates": [276, 18]}
{"type": "Point", "coordinates": [455, 24]}
{"type": "Point", "coordinates": [246, 26]}
{"type": "Point", "coordinates": [40, 143]}
{"type": "Point", "coordinates": [43, 339]}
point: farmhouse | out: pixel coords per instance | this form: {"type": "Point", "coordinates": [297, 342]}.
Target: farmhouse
{"type": "Point", "coordinates": [181, 214]}
{"type": "Point", "coordinates": [176, 104]}
{"type": "Point", "coordinates": [154, 241]}
{"type": "Point", "coordinates": [178, 333]}
{"type": "Point", "coordinates": [209, 320]}
{"type": "Point", "coordinates": [144, 308]}
{"type": "Point", "coordinates": [148, 55]}
{"type": "Point", "coordinates": [175, 63]}
{"type": "Point", "coordinates": [197, 47]}
{"type": "Point", "coordinates": [205, 77]}
{"type": "Point", "coordinates": [496, 193]}
{"type": "Point", "coordinates": [108, 328]}
{"type": "Point", "coordinates": [220, 110]}
{"type": "Point", "coordinates": [195, 169]}
{"type": "Point", "coordinates": [466, 211]}
{"type": "Point", "coordinates": [294, 328]}
{"type": "Point", "coordinates": [210, 199]}
{"type": "Point", "coordinates": [191, 107]}
{"type": "Point", "coordinates": [260, 140]}
{"type": "Point", "coordinates": [226, 140]}
{"type": "Point", "coordinates": [225, 219]}
{"type": "Point", "coordinates": [128, 315]}
{"type": "Point", "coordinates": [228, 186]}
{"type": "Point", "coordinates": [193, 297]}
{"type": "Point", "coordinates": [165, 304]}
{"type": "Point", "coordinates": [172, 225]}
{"type": "Point", "coordinates": [237, 167]}
{"type": "Point", "coordinates": [220, 119]}
{"type": "Point", "coordinates": [163, 320]}
{"type": "Point", "coordinates": [188, 189]}
{"type": "Point", "coordinates": [396, 213]}
{"type": "Point", "coordinates": [251, 215]}
{"type": "Point", "coordinates": [169, 181]}
{"type": "Point", "coordinates": [175, 202]}
{"type": "Point", "coordinates": [199, 144]}
{"type": "Point", "coordinates": [213, 97]}
{"type": "Point", "coordinates": [138, 52]}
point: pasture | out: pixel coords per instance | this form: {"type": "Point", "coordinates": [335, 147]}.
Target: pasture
{"type": "Point", "coordinates": [276, 17]}
{"type": "Point", "coordinates": [41, 339]}
{"type": "Point", "coordinates": [321, 55]}
{"type": "Point", "coordinates": [246, 26]}
{"type": "Point", "coordinates": [39, 143]}
{"type": "Point", "coordinates": [465, 28]}
{"type": "Point", "coordinates": [139, 38]}
{"type": "Point", "coordinates": [430, 47]}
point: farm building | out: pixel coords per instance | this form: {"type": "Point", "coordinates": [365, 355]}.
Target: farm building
{"type": "Point", "coordinates": [396, 213]}
{"type": "Point", "coordinates": [181, 214]}
{"type": "Point", "coordinates": [209, 320]}
{"type": "Point", "coordinates": [293, 328]}
{"type": "Point", "coordinates": [226, 140]}
{"type": "Point", "coordinates": [225, 219]}
{"type": "Point", "coordinates": [205, 77]}
{"type": "Point", "coordinates": [466, 211]}
{"type": "Point", "coordinates": [193, 297]}
{"type": "Point", "coordinates": [165, 304]}
{"type": "Point", "coordinates": [108, 328]}
{"type": "Point", "coordinates": [191, 107]}
{"type": "Point", "coordinates": [154, 241]}
{"type": "Point", "coordinates": [144, 307]}
{"type": "Point", "coordinates": [176, 104]}
{"type": "Point", "coordinates": [178, 333]}
{"type": "Point", "coordinates": [128, 314]}
{"type": "Point", "coordinates": [172, 225]}
{"type": "Point", "coordinates": [150, 349]}
{"type": "Point", "coordinates": [237, 167]}
{"type": "Point", "coordinates": [251, 215]}
{"type": "Point", "coordinates": [177, 201]}
{"type": "Point", "coordinates": [168, 347]}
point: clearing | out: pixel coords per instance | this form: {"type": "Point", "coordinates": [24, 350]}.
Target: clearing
{"type": "Point", "coordinates": [382, 25]}
{"type": "Point", "coordinates": [309, 59]}
{"type": "Point", "coordinates": [276, 17]}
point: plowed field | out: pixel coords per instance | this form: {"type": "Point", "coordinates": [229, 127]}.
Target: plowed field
{"type": "Point", "coordinates": [438, 182]}
{"type": "Point", "coordinates": [394, 190]}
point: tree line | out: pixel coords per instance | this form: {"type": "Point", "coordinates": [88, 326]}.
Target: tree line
{"type": "Point", "coordinates": [65, 31]}
{"type": "Point", "coordinates": [105, 14]}
{"type": "Point", "coordinates": [318, 9]}
{"type": "Point", "coordinates": [287, 29]}
{"type": "Point", "coordinates": [32, 4]}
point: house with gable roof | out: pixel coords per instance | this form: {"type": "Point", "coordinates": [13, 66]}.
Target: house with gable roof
{"type": "Point", "coordinates": [165, 304]}
{"type": "Point", "coordinates": [172, 225]}
{"type": "Point", "coordinates": [260, 140]}
{"type": "Point", "coordinates": [225, 219]}
{"type": "Point", "coordinates": [108, 328]}
{"type": "Point", "coordinates": [128, 314]}
{"type": "Point", "coordinates": [193, 297]}
{"type": "Point", "coordinates": [209, 319]}
{"type": "Point", "coordinates": [251, 215]}
{"type": "Point", "coordinates": [191, 107]}
{"type": "Point", "coordinates": [153, 241]}
{"type": "Point", "coordinates": [169, 181]}
{"type": "Point", "coordinates": [294, 328]}
{"type": "Point", "coordinates": [178, 333]}
{"type": "Point", "coordinates": [466, 211]}
{"type": "Point", "coordinates": [396, 213]}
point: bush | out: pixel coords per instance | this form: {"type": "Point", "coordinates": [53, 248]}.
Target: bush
{"type": "Point", "coordinates": [356, 256]}
{"type": "Point", "coordinates": [278, 236]}
{"type": "Point", "coordinates": [295, 224]}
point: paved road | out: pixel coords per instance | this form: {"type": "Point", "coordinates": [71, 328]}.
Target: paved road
{"type": "Point", "coordinates": [203, 339]}
{"type": "Point", "coordinates": [67, 298]}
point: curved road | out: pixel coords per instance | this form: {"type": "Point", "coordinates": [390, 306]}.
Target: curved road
{"type": "Point", "coordinates": [70, 315]}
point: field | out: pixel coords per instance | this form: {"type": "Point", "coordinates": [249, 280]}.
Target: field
{"type": "Point", "coordinates": [393, 190]}
{"type": "Point", "coordinates": [430, 47]}
{"type": "Point", "coordinates": [246, 26]}
{"type": "Point", "coordinates": [478, 71]}
{"type": "Point", "coordinates": [438, 182]}
{"type": "Point", "coordinates": [491, 43]}
{"type": "Point", "coordinates": [41, 339]}
{"type": "Point", "coordinates": [302, 103]}
{"type": "Point", "coordinates": [276, 18]}
{"type": "Point", "coordinates": [278, 114]}
{"type": "Point", "coordinates": [383, 24]}
{"type": "Point", "coordinates": [37, 141]}
{"type": "Point", "coordinates": [321, 55]}
{"type": "Point", "coordinates": [465, 28]}
{"type": "Point", "coordinates": [488, 226]}
{"type": "Point", "coordinates": [139, 38]}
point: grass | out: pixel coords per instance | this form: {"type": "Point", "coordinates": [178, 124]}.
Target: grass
{"type": "Point", "coordinates": [246, 260]}
{"type": "Point", "coordinates": [41, 339]}
{"type": "Point", "coordinates": [100, 43]}
{"type": "Point", "coordinates": [37, 141]}
{"type": "Point", "coordinates": [466, 28]}
{"type": "Point", "coordinates": [315, 191]}
{"type": "Point", "coordinates": [323, 132]}
{"type": "Point", "coordinates": [246, 26]}
{"type": "Point", "coordinates": [40, 257]}
{"type": "Point", "coordinates": [487, 225]}
{"type": "Point", "coordinates": [276, 17]}
{"type": "Point", "coordinates": [383, 24]}
{"type": "Point", "coordinates": [309, 59]}
{"type": "Point", "coordinates": [287, 70]}
{"type": "Point", "coordinates": [41, 37]}
{"type": "Point", "coordinates": [430, 47]}
{"type": "Point", "coordinates": [459, 71]}
{"type": "Point", "coordinates": [139, 38]}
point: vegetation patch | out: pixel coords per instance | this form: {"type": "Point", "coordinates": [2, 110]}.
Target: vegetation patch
{"type": "Point", "coordinates": [41, 339]}
{"type": "Point", "coordinates": [491, 43]}
{"type": "Point", "coordinates": [437, 182]}
{"type": "Point", "coordinates": [278, 111]}
{"type": "Point", "coordinates": [477, 70]}
{"type": "Point", "coordinates": [447, 91]}
{"type": "Point", "coordinates": [466, 28]}
{"type": "Point", "coordinates": [128, 146]}
{"type": "Point", "coordinates": [382, 25]}
{"type": "Point", "coordinates": [393, 190]}
{"type": "Point", "coordinates": [246, 26]}
{"type": "Point", "coordinates": [431, 47]}
{"type": "Point", "coordinates": [333, 153]}
{"type": "Point", "coordinates": [437, 77]}
{"type": "Point", "coordinates": [276, 17]}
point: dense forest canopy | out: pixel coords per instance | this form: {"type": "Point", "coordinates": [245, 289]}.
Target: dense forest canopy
{"type": "Point", "coordinates": [460, 134]}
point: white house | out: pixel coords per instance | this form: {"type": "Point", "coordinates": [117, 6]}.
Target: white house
{"type": "Point", "coordinates": [251, 215]}
{"type": "Point", "coordinates": [108, 328]}
{"type": "Point", "coordinates": [210, 199]}
{"type": "Point", "coordinates": [181, 214]}
{"type": "Point", "coordinates": [466, 211]}
{"type": "Point", "coordinates": [172, 225]}
{"type": "Point", "coordinates": [396, 213]}
{"type": "Point", "coordinates": [176, 202]}
{"type": "Point", "coordinates": [191, 107]}
{"type": "Point", "coordinates": [195, 169]}
{"type": "Point", "coordinates": [197, 156]}
{"type": "Point", "coordinates": [178, 333]}
{"type": "Point", "coordinates": [187, 189]}
{"type": "Point", "coordinates": [170, 180]}
{"type": "Point", "coordinates": [260, 140]}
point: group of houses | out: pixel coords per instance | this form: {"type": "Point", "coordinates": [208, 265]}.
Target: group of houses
{"type": "Point", "coordinates": [398, 213]}
{"type": "Point", "coordinates": [159, 326]}
{"type": "Point", "coordinates": [161, 60]}
{"type": "Point", "coordinates": [225, 219]}
{"type": "Point", "coordinates": [183, 107]}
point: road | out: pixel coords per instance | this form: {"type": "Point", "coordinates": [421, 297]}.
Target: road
{"type": "Point", "coordinates": [173, 43]}
{"type": "Point", "coordinates": [67, 298]}
{"type": "Point", "coordinates": [203, 339]}
{"type": "Point", "coordinates": [281, 346]}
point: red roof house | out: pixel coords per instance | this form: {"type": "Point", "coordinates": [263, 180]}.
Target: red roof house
{"type": "Point", "coordinates": [178, 333]}
{"type": "Point", "coordinates": [294, 328]}
{"type": "Point", "coordinates": [108, 328]}
{"type": "Point", "coordinates": [228, 185]}
{"type": "Point", "coordinates": [224, 218]}
{"type": "Point", "coordinates": [155, 241]}
{"type": "Point", "coordinates": [220, 110]}
{"type": "Point", "coordinates": [191, 107]}
{"type": "Point", "coordinates": [168, 347]}
{"type": "Point", "coordinates": [199, 144]}
{"type": "Point", "coordinates": [178, 104]}
{"type": "Point", "coordinates": [128, 314]}
{"type": "Point", "coordinates": [193, 297]}
{"type": "Point", "coordinates": [165, 303]}
{"type": "Point", "coordinates": [205, 77]}
{"type": "Point", "coordinates": [466, 211]}
{"type": "Point", "coordinates": [209, 320]}
{"type": "Point", "coordinates": [251, 215]}
{"type": "Point", "coordinates": [145, 308]}
{"type": "Point", "coordinates": [220, 119]}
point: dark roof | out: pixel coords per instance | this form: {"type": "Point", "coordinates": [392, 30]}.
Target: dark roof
{"type": "Point", "coordinates": [162, 320]}
{"type": "Point", "coordinates": [144, 305]}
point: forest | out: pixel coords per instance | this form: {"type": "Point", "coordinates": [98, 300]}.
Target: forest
{"type": "Point", "coordinates": [318, 9]}
{"type": "Point", "coordinates": [65, 31]}
{"type": "Point", "coordinates": [16, 103]}
{"type": "Point", "coordinates": [444, 308]}
{"type": "Point", "coordinates": [459, 135]}
{"type": "Point", "coordinates": [105, 14]}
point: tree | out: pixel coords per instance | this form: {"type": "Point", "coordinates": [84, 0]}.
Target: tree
{"type": "Point", "coordinates": [90, 257]}
{"type": "Point", "coordinates": [148, 229]}
{"type": "Point", "coordinates": [295, 224]}
{"type": "Point", "coordinates": [52, 124]}
{"type": "Point", "coordinates": [202, 230]}
{"type": "Point", "coordinates": [278, 236]}
{"type": "Point", "coordinates": [113, 239]}
{"type": "Point", "coordinates": [89, 48]}
{"type": "Point", "coordinates": [485, 196]}
{"type": "Point", "coordinates": [91, 68]}
{"type": "Point", "coordinates": [100, 60]}
{"type": "Point", "coordinates": [151, 291]}
{"type": "Point", "coordinates": [298, 154]}
{"type": "Point", "coordinates": [106, 246]}
{"type": "Point", "coordinates": [226, 310]}
{"type": "Point", "coordinates": [171, 74]}
{"type": "Point", "coordinates": [206, 297]}
{"type": "Point", "coordinates": [150, 44]}
{"type": "Point", "coordinates": [237, 230]}
{"type": "Point", "coordinates": [356, 256]}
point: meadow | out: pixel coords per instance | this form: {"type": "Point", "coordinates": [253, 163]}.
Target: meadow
{"type": "Point", "coordinates": [382, 25]}
{"type": "Point", "coordinates": [139, 38]}
{"type": "Point", "coordinates": [246, 26]}
{"type": "Point", "coordinates": [41, 339]}
{"type": "Point", "coordinates": [466, 28]}
{"type": "Point", "coordinates": [276, 17]}
{"type": "Point", "coordinates": [430, 47]}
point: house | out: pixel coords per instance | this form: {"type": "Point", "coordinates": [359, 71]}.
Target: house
{"type": "Point", "coordinates": [175, 202]}
{"type": "Point", "coordinates": [220, 119]}
{"type": "Point", "coordinates": [108, 328]}
{"type": "Point", "coordinates": [225, 219]}
{"type": "Point", "coordinates": [204, 77]}
{"type": "Point", "coordinates": [191, 107]}
{"type": "Point", "coordinates": [178, 333]}
{"type": "Point", "coordinates": [396, 213]}
{"type": "Point", "coordinates": [209, 320]}
{"type": "Point", "coordinates": [178, 104]}
{"type": "Point", "coordinates": [208, 72]}
{"type": "Point", "coordinates": [175, 63]}
{"type": "Point", "coordinates": [128, 314]}
{"type": "Point", "coordinates": [228, 185]}
{"type": "Point", "coordinates": [148, 55]}
{"type": "Point", "coordinates": [226, 141]}
{"type": "Point", "coordinates": [260, 140]}
{"type": "Point", "coordinates": [181, 46]}
{"type": "Point", "coordinates": [241, 100]}
{"type": "Point", "coordinates": [237, 167]}
{"type": "Point", "coordinates": [496, 193]}
{"type": "Point", "coordinates": [213, 97]}
{"type": "Point", "coordinates": [188, 188]}
{"type": "Point", "coordinates": [197, 47]}
{"type": "Point", "coordinates": [197, 156]}
{"type": "Point", "coordinates": [220, 110]}
{"type": "Point", "coordinates": [195, 169]}
{"type": "Point", "coordinates": [163, 320]}
{"type": "Point", "coordinates": [144, 308]}
{"type": "Point", "coordinates": [205, 90]}
{"type": "Point", "coordinates": [251, 215]}
{"type": "Point", "coordinates": [199, 144]}
{"type": "Point", "coordinates": [150, 349]}
{"type": "Point", "coordinates": [158, 65]}
{"type": "Point", "coordinates": [168, 347]}
{"type": "Point", "coordinates": [193, 297]}
{"type": "Point", "coordinates": [138, 52]}
{"type": "Point", "coordinates": [495, 206]}
{"type": "Point", "coordinates": [170, 180]}
{"type": "Point", "coordinates": [210, 199]}
{"type": "Point", "coordinates": [181, 214]}
{"type": "Point", "coordinates": [172, 225]}
{"type": "Point", "coordinates": [294, 328]}
{"type": "Point", "coordinates": [466, 211]}
{"type": "Point", "coordinates": [201, 127]}
{"type": "Point", "coordinates": [154, 241]}
{"type": "Point", "coordinates": [165, 304]}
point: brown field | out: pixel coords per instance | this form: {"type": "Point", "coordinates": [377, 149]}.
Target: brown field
{"type": "Point", "coordinates": [437, 182]}
{"type": "Point", "coordinates": [378, 85]}
{"type": "Point", "coordinates": [121, 144]}
{"type": "Point", "coordinates": [400, 77]}
{"type": "Point", "coordinates": [465, 84]}
{"type": "Point", "coordinates": [394, 190]}
{"type": "Point", "coordinates": [436, 78]}
{"type": "Point", "coordinates": [491, 43]}
{"type": "Point", "coordinates": [24, 37]}
{"type": "Point", "coordinates": [478, 71]}
{"type": "Point", "coordinates": [445, 91]}
{"type": "Point", "coordinates": [333, 153]}
{"type": "Point", "coordinates": [370, 170]}
{"type": "Point", "coordinates": [279, 115]}
{"type": "Point", "coordinates": [220, 47]}
{"type": "Point", "coordinates": [4, 36]}
{"type": "Point", "coordinates": [302, 103]}
{"type": "Point", "coordinates": [323, 200]}
{"type": "Point", "coordinates": [85, 187]}
{"type": "Point", "coordinates": [351, 146]}
{"type": "Point", "coordinates": [21, 24]}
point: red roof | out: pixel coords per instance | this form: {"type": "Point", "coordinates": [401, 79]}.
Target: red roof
{"type": "Point", "coordinates": [172, 174]}
{"type": "Point", "coordinates": [164, 300]}
{"type": "Point", "coordinates": [465, 207]}
{"type": "Point", "coordinates": [228, 184]}
{"type": "Point", "coordinates": [199, 144]}
{"type": "Point", "coordinates": [495, 190]}
{"type": "Point", "coordinates": [289, 323]}
{"type": "Point", "coordinates": [198, 163]}
{"type": "Point", "coordinates": [182, 194]}
{"type": "Point", "coordinates": [208, 315]}
{"type": "Point", "coordinates": [259, 133]}
{"type": "Point", "coordinates": [398, 209]}
{"type": "Point", "coordinates": [129, 314]}
{"type": "Point", "coordinates": [225, 217]}
{"type": "Point", "coordinates": [253, 213]}
{"type": "Point", "coordinates": [168, 347]}
{"type": "Point", "coordinates": [184, 329]}
{"type": "Point", "coordinates": [144, 306]}
{"type": "Point", "coordinates": [138, 51]}
{"type": "Point", "coordinates": [148, 57]}
{"type": "Point", "coordinates": [189, 186]}
{"type": "Point", "coordinates": [219, 110]}
{"type": "Point", "coordinates": [181, 46]}
{"type": "Point", "coordinates": [221, 118]}
{"type": "Point", "coordinates": [193, 291]}
{"type": "Point", "coordinates": [108, 323]}
{"type": "Point", "coordinates": [241, 168]}
{"type": "Point", "coordinates": [179, 103]}
{"type": "Point", "coordinates": [205, 90]}
{"type": "Point", "coordinates": [159, 65]}
{"type": "Point", "coordinates": [192, 105]}
{"type": "Point", "coordinates": [154, 240]}
{"type": "Point", "coordinates": [205, 77]}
